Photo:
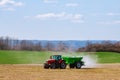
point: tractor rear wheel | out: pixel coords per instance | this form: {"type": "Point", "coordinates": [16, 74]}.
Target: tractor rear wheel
{"type": "Point", "coordinates": [53, 66]}
{"type": "Point", "coordinates": [78, 65]}
{"type": "Point", "coordinates": [63, 65]}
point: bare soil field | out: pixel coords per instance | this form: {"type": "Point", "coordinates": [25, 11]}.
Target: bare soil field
{"type": "Point", "coordinates": [36, 72]}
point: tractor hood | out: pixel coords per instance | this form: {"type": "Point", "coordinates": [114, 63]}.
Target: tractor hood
{"type": "Point", "coordinates": [49, 61]}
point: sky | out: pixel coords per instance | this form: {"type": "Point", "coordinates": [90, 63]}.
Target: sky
{"type": "Point", "coordinates": [60, 19]}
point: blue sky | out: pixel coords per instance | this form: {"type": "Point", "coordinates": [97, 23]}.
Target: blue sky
{"type": "Point", "coordinates": [60, 19]}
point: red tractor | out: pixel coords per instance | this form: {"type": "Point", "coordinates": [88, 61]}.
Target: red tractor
{"type": "Point", "coordinates": [54, 62]}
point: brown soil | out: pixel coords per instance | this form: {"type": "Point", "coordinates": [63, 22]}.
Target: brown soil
{"type": "Point", "coordinates": [36, 72]}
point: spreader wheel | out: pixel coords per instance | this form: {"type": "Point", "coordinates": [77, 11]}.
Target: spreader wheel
{"type": "Point", "coordinates": [78, 65]}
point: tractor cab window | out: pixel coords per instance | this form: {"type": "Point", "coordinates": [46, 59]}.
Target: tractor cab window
{"type": "Point", "coordinates": [56, 57]}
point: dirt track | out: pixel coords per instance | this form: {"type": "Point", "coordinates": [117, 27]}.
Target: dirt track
{"type": "Point", "coordinates": [36, 72]}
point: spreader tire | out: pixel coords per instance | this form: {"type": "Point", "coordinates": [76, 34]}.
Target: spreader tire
{"type": "Point", "coordinates": [78, 65]}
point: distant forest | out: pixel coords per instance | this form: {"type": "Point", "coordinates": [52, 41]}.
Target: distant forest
{"type": "Point", "coordinates": [7, 43]}
{"type": "Point", "coordinates": [105, 46]}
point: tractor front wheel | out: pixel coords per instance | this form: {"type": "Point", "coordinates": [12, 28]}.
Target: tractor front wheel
{"type": "Point", "coordinates": [46, 66]}
{"type": "Point", "coordinates": [63, 65]}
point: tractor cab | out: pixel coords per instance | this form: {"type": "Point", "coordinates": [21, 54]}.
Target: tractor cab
{"type": "Point", "coordinates": [56, 57]}
{"type": "Point", "coordinates": [55, 61]}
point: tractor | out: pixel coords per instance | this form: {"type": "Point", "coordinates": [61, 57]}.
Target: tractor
{"type": "Point", "coordinates": [57, 61]}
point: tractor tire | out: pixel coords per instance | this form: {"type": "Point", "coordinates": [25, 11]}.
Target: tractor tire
{"type": "Point", "coordinates": [46, 66]}
{"type": "Point", "coordinates": [63, 65]}
{"type": "Point", "coordinates": [53, 66]}
{"type": "Point", "coordinates": [72, 65]}
{"type": "Point", "coordinates": [78, 65]}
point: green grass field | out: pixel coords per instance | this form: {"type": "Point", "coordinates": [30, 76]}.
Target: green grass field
{"type": "Point", "coordinates": [108, 57]}
{"type": "Point", "coordinates": [23, 57]}
{"type": "Point", "coordinates": [35, 57]}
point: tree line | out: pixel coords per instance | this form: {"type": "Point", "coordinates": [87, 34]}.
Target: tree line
{"type": "Point", "coordinates": [105, 46]}
{"type": "Point", "coordinates": [7, 43]}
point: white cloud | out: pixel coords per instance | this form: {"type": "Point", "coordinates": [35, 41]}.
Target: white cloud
{"type": "Point", "coordinates": [113, 14]}
{"type": "Point", "coordinates": [106, 14]}
{"type": "Point", "coordinates": [26, 17]}
{"type": "Point", "coordinates": [9, 4]}
{"type": "Point", "coordinates": [50, 15]}
{"type": "Point", "coordinates": [110, 22]}
{"type": "Point", "coordinates": [72, 5]}
{"type": "Point", "coordinates": [77, 18]}
{"type": "Point", "coordinates": [50, 1]}
{"type": "Point", "coordinates": [9, 9]}
{"type": "Point", "coordinates": [95, 14]}
{"type": "Point", "coordinates": [115, 22]}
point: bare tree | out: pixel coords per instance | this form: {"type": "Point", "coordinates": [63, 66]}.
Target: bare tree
{"type": "Point", "coordinates": [38, 46]}
{"type": "Point", "coordinates": [61, 46]}
{"type": "Point", "coordinates": [49, 46]}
